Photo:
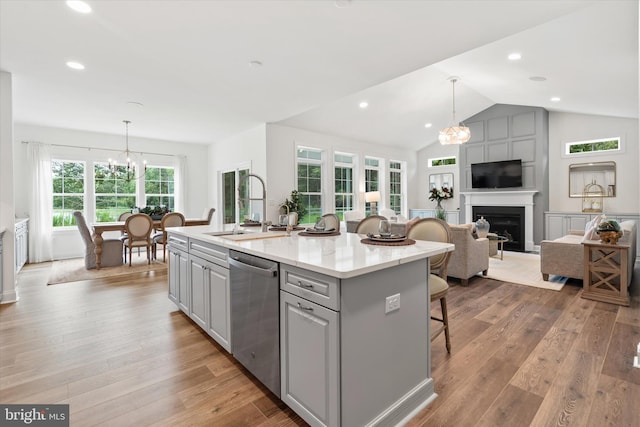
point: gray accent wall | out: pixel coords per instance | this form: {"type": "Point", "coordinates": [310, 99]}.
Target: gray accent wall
{"type": "Point", "coordinates": [510, 132]}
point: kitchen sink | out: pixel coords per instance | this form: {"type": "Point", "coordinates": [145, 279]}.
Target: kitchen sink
{"type": "Point", "coordinates": [253, 236]}
{"type": "Point", "coordinates": [225, 233]}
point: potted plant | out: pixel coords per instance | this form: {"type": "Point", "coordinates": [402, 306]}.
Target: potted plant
{"type": "Point", "coordinates": [294, 204]}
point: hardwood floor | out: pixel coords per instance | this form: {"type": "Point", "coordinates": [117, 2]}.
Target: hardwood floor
{"type": "Point", "coordinates": [121, 354]}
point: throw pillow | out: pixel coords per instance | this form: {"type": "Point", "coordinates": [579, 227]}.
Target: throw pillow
{"type": "Point", "coordinates": [590, 229]}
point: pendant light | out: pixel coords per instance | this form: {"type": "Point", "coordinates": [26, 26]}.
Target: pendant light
{"type": "Point", "coordinates": [455, 134]}
{"type": "Point", "coordinates": [129, 174]}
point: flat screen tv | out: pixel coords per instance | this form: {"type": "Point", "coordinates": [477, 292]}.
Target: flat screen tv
{"type": "Point", "coordinates": [504, 174]}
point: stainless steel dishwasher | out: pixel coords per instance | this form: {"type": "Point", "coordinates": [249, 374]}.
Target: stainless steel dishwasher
{"type": "Point", "coordinates": [255, 308]}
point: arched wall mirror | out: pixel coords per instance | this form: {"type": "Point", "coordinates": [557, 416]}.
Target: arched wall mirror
{"type": "Point", "coordinates": [602, 174]}
{"type": "Point", "coordinates": [439, 180]}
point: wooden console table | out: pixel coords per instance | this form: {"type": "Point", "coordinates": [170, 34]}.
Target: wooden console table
{"type": "Point", "coordinates": [606, 273]}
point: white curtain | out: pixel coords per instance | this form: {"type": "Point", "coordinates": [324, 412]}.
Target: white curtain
{"type": "Point", "coordinates": [40, 204]}
{"type": "Point", "coordinates": [180, 165]}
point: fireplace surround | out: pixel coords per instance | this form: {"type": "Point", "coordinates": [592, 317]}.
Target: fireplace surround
{"type": "Point", "coordinates": [506, 221]}
{"type": "Point", "coordinates": [523, 199]}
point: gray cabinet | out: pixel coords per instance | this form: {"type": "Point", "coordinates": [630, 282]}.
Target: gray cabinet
{"type": "Point", "coordinates": [199, 285]}
{"type": "Point", "coordinates": [559, 224]}
{"type": "Point", "coordinates": [453, 217]}
{"type": "Point", "coordinates": [310, 349]}
{"type": "Point", "coordinates": [1, 261]}
{"type": "Point", "coordinates": [22, 243]}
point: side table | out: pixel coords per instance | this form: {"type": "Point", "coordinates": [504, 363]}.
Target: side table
{"type": "Point", "coordinates": [605, 273]}
{"type": "Point", "coordinates": [498, 241]}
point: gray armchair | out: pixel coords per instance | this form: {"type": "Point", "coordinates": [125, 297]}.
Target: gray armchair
{"type": "Point", "coordinates": [111, 248]}
{"type": "Point", "coordinates": [471, 255]}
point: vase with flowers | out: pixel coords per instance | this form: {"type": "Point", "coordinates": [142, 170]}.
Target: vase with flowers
{"type": "Point", "coordinates": [440, 194]}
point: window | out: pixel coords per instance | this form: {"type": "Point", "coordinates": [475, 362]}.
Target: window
{"type": "Point", "coordinates": [371, 178]}
{"type": "Point", "coordinates": [395, 186]}
{"type": "Point", "coordinates": [159, 187]}
{"type": "Point", "coordinates": [68, 191]}
{"type": "Point", "coordinates": [607, 144]}
{"type": "Point", "coordinates": [233, 214]}
{"type": "Point", "coordinates": [309, 173]}
{"type": "Point", "coordinates": [114, 194]}
{"type": "Point", "coordinates": [343, 183]}
{"type": "Point", "coordinates": [441, 161]}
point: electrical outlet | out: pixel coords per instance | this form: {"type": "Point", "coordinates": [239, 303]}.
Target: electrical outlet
{"type": "Point", "coordinates": [392, 303]}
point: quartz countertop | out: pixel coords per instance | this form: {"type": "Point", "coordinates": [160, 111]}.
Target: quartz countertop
{"type": "Point", "coordinates": [341, 256]}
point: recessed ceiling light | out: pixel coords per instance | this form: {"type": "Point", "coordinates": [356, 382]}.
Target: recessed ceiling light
{"type": "Point", "coordinates": [514, 56]}
{"type": "Point", "coordinates": [537, 78]}
{"type": "Point", "coordinates": [75, 65]}
{"type": "Point", "coordinates": [79, 6]}
{"type": "Point", "coordinates": [364, 104]}
{"type": "Point", "coordinates": [428, 125]}
{"type": "Point", "coordinates": [555, 99]}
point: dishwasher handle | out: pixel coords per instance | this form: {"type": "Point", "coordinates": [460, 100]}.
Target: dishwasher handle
{"type": "Point", "coordinates": [269, 272]}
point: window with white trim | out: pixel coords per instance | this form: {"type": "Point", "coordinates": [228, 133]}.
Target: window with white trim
{"type": "Point", "coordinates": [159, 185]}
{"type": "Point", "coordinates": [235, 212]}
{"type": "Point", "coordinates": [371, 179]}
{"type": "Point", "coordinates": [309, 182]}
{"type": "Point", "coordinates": [343, 183]}
{"type": "Point", "coordinates": [593, 146]}
{"type": "Point", "coordinates": [395, 186]}
{"type": "Point", "coordinates": [114, 195]}
{"type": "Point", "coordinates": [68, 191]}
{"type": "Point", "coordinates": [441, 161]}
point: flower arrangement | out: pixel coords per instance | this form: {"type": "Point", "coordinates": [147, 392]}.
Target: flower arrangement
{"type": "Point", "coordinates": [441, 194]}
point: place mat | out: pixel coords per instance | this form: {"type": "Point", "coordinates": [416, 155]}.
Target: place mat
{"type": "Point", "coordinates": [405, 242]}
{"type": "Point", "coordinates": [284, 228]}
{"type": "Point", "coordinates": [250, 224]}
{"type": "Point", "coordinates": [306, 233]}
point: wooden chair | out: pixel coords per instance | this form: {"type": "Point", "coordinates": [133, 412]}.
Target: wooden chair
{"type": "Point", "coordinates": [436, 230]}
{"type": "Point", "coordinates": [138, 228]}
{"type": "Point", "coordinates": [208, 214]}
{"type": "Point", "coordinates": [172, 219]}
{"type": "Point", "coordinates": [331, 220]}
{"type": "Point", "coordinates": [369, 224]}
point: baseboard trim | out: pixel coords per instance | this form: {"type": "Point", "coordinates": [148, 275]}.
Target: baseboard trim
{"type": "Point", "coordinates": [407, 407]}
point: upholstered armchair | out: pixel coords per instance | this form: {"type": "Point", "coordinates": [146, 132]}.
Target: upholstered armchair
{"type": "Point", "coordinates": [471, 255]}
{"type": "Point", "coordinates": [111, 248]}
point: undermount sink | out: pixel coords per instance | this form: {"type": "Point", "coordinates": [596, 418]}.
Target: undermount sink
{"type": "Point", "coordinates": [225, 233]}
{"type": "Point", "coordinates": [253, 236]}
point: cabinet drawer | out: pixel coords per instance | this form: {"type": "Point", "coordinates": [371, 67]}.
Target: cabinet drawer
{"type": "Point", "coordinates": [210, 252]}
{"type": "Point", "coordinates": [316, 287]}
{"type": "Point", "coordinates": [178, 242]}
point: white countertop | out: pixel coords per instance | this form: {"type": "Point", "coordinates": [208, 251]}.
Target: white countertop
{"type": "Point", "coordinates": [341, 256]}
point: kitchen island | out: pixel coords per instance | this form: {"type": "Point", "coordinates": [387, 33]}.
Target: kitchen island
{"type": "Point", "coordinates": [353, 318]}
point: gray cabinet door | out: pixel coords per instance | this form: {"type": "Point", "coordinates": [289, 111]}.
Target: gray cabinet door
{"type": "Point", "coordinates": [173, 275]}
{"type": "Point", "coordinates": [218, 307]}
{"type": "Point", "coordinates": [183, 283]}
{"type": "Point", "coordinates": [555, 227]}
{"type": "Point", "coordinates": [577, 222]}
{"type": "Point", "coordinates": [309, 349]}
{"type": "Point", "coordinates": [198, 287]}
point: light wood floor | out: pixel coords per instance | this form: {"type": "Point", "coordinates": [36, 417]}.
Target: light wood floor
{"type": "Point", "coordinates": [121, 354]}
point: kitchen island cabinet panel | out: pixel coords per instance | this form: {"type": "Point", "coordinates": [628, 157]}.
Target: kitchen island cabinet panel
{"type": "Point", "coordinates": [199, 272]}
{"type": "Point", "coordinates": [218, 307]}
{"type": "Point", "coordinates": [309, 360]}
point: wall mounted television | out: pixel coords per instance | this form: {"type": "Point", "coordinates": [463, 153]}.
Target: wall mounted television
{"type": "Point", "coordinates": [504, 174]}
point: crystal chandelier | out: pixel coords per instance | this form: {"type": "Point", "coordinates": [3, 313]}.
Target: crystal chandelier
{"type": "Point", "coordinates": [454, 134]}
{"type": "Point", "coordinates": [129, 173]}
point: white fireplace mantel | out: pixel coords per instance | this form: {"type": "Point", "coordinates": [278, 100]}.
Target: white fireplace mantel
{"type": "Point", "coordinates": [504, 198]}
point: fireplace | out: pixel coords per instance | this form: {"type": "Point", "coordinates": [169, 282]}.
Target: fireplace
{"type": "Point", "coordinates": [501, 199]}
{"type": "Point", "coordinates": [505, 221]}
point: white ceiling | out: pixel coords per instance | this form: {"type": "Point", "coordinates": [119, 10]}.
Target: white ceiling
{"type": "Point", "coordinates": [188, 63]}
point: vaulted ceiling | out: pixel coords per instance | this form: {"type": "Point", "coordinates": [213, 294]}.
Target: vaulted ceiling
{"type": "Point", "coordinates": [206, 70]}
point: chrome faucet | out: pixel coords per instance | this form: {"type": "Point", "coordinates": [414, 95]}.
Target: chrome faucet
{"type": "Point", "coordinates": [289, 226]}
{"type": "Point", "coordinates": [264, 223]}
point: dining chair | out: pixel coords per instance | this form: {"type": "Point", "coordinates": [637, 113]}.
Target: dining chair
{"type": "Point", "coordinates": [138, 228]}
{"type": "Point", "coordinates": [436, 230]}
{"type": "Point", "coordinates": [387, 213]}
{"type": "Point", "coordinates": [123, 235]}
{"type": "Point", "coordinates": [369, 224]}
{"type": "Point", "coordinates": [111, 255]}
{"type": "Point", "coordinates": [208, 214]}
{"type": "Point", "coordinates": [172, 219]}
{"type": "Point", "coordinates": [331, 220]}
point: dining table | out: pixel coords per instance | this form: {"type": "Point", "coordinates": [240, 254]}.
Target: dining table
{"type": "Point", "coordinates": [101, 227]}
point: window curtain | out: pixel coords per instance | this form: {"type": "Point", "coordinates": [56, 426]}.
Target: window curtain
{"type": "Point", "coordinates": [180, 166]}
{"type": "Point", "coordinates": [40, 204]}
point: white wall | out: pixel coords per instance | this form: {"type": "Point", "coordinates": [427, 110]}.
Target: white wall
{"type": "Point", "coordinates": [67, 243]}
{"type": "Point", "coordinates": [434, 151]}
{"type": "Point", "coordinates": [247, 149]}
{"type": "Point", "coordinates": [8, 293]}
{"type": "Point", "coordinates": [566, 127]}
{"type": "Point", "coordinates": [281, 155]}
